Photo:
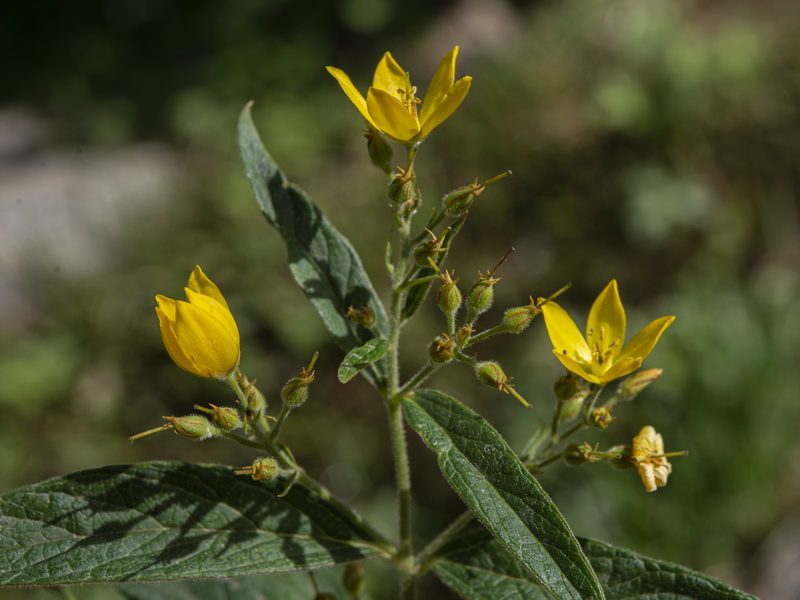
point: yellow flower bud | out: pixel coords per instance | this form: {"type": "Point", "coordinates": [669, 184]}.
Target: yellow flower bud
{"type": "Point", "coordinates": [200, 334]}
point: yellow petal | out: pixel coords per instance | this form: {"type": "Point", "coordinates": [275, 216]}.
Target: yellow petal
{"type": "Point", "coordinates": [203, 285]}
{"type": "Point", "coordinates": [607, 321]}
{"type": "Point", "coordinates": [620, 368]}
{"type": "Point", "coordinates": [355, 96]}
{"type": "Point", "coordinates": [564, 334]}
{"type": "Point", "coordinates": [447, 106]}
{"type": "Point", "coordinates": [210, 347]}
{"type": "Point", "coordinates": [391, 116]}
{"type": "Point", "coordinates": [166, 319]}
{"type": "Point", "coordinates": [391, 78]}
{"type": "Point", "coordinates": [648, 477]}
{"type": "Point", "coordinates": [643, 342]}
{"type": "Point", "coordinates": [440, 84]}
{"type": "Point", "coordinates": [576, 367]}
{"type": "Point", "coordinates": [167, 306]}
{"type": "Point", "coordinates": [213, 308]}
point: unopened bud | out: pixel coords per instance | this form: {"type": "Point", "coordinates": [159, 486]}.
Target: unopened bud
{"type": "Point", "coordinates": [441, 349]}
{"type": "Point", "coordinates": [633, 385]}
{"type": "Point", "coordinates": [571, 391]}
{"type": "Point", "coordinates": [225, 417]}
{"type": "Point", "coordinates": [491, 374]}
{"type": "Point", "coordinates": [457, 202]}
{"type": "Point", "coordinates": [256, 403]}
{"type": "Point", "coordinates": [480, 297]}
{"type": "Point", "coordinates": [194, 427]}
{"type": "Point", "coordinates": [431, 248]}
{"type": "Point", "coordinates": [463, 334]}
{"type": "Point", "coordinates": [379, 150]}
{"type": "Point", "coordinates": [354, 579]}
{"type": "Point", "coordinates": [449, 295]}
{"type": "Point", "coordinates": [262, 469]}
{"type": "Point", "coordinates": [295, 392]}
{"type": "Point", "coordinates": [601, 417]}
{"type": "Point", "coordinates": [363, 315]}
{"type": "Point", "coordinates": [516, 320]}
{"type": "Point", "coordinates": [576, 455]}
{"type": "Point", "coordinates": [401, 188]}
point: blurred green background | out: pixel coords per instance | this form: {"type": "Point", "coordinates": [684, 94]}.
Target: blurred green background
{"type": "Point", "coordinates": [651, 141]}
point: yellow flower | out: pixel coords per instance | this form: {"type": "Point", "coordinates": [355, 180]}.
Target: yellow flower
{"type": "Point", "coordinates": [601, 356]}
{"type": "Point", "coordinates": [391, 103]}
{"type": "Point", "coordinates": [648, 456]}
{"type": "Point", "coordinates": [200, 335]}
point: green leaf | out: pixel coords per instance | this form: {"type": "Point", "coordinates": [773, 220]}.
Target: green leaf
{"type": "Point", "coordinates": [283, 586]}
{"type": "Point", "coordinates": [501, 492]}
{"type": "Point", "coordinates": [322, 260]}
{"type": "Point", "coordinates": [155, 521]}
{"type": "Point", "coordinates": [475, 565]}
{"type": "Point", "coordinates": [360, 358]}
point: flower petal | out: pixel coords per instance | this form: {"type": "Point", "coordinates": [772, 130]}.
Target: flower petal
{"type": "Point", "coordinates": [447, 106]}
{"type": "Point", "coordinates": [440, 84]}
{"type": "Point", "coordinates": [203, 285]}
{"type": "Point", "coordinates": [213, 308]}
{"type": "Point", "coordinates": [355, 96]}
{"type": "Point", "coordinates": [575, 367]}
{"type": "Point", "coordinates": [166, 320]}
{"type": "Point", "coordinates": [209, 345]}
{"type": "Point", "coordinates": [564, 334]}
{"type": "Point", "coordinates": [391, 78]}
{"type": "Point", "coordinates": [620, 368]}
{"type": "Point", "coordinates": [606, 324]}
{"type": "Point", "coordinates": [643, 342]}
{"type": "Point", "coordinates": [391, 116]}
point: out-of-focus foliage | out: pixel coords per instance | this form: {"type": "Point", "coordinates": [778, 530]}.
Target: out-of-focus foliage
{"type": "Point", "coordinates": [653, 142]}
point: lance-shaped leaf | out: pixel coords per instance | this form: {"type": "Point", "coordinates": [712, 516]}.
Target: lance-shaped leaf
{"type": "Point", "coordinates": [477, 566]}
{"type": "Point", "coordinates": [160, 520]}
{"type": "Point", "coordinates": [360, 358]}
{"type": "Point", "coordinates": [283, 586]}
{"type": "Point", "coordinates": [322, 260]}
{"type": "Point", "coordinates": [501, 492]}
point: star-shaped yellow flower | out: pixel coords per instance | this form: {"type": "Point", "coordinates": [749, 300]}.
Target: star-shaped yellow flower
{"type": "Point", "coordinates": [200, 335]}
{"type": "Point", "coordinates": [601, 356]}
{"type": "Point", "coordinates": [647, 454]}
{"type": "Point", "coordinates": [391, 103]}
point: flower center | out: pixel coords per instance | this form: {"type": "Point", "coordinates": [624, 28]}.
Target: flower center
{"type": "Point", "coordinates": [601, 347]}
{"type": "Point", "coordinates": [409, 99]}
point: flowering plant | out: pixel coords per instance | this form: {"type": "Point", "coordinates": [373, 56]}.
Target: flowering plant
{"type": "Point", "coordinates": [182, 521]}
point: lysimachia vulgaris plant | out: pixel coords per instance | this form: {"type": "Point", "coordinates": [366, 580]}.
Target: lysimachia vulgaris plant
{"type": "Point", "coordinates": [202, 526]}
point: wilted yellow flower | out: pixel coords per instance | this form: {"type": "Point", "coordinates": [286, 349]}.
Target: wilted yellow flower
{"type": "Point", "coordinates": [648, 456]}
{"type": "Point", "coordinates": [391, 103]}
{"type": "Point", "coordinates": [601, 356]}
{"type": "Point", "coordinates": [200, 335]}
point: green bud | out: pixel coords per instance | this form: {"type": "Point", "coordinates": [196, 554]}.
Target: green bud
{"type": "Point", "coordinates": [354, 579]}
{"type": "Point", "coordinates": [362, 315]}
{"type": "Point", "coordinates": [379, 150]}
{"type": "Point", "coordinates": [572, 392]}
{"type": "Point", "coordinates": [295, 392]}
{"type": "Point", "coordinates": [194, 427]}
{"type": "Point", "coordinates": [449, 296]}
{"type": "Point", "coordinates": [516, 320]}
{"type": "Point", "coordinates": [463, 334]}
{"type": "Point", "coordinates": [576, 455]}
{"type": "Point", "coordinates": [431, 248]}
{"type": "Point", "coordinates": [401, 188]}
{"type": "Point", "coordinates": [256, 403]}
{"type": "Point", "coordinates": [262, 469]}
{"type": "Point", "coordinates": [226, 418]}
{"type": "Point", "coordinates": [441, 349]}
{"type": "Point", "coordinates": [480, 297]}
{"type": "Point", "coordinates": [457, 202]}
{"type": "Point", "coordinates": [492, 375]}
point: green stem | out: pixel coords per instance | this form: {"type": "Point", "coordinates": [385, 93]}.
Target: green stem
{"type": "Point", "coordinates": [418, 378]}
{"type": "Point", "coordinates": [276, 429]}
{"type": "Point", "coordinates": [486, 334]}
{"type": "Point", "coordinates": [427, 556]}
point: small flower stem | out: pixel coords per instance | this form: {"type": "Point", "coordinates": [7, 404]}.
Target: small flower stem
{"type": "Point", "coordinates": [276, 429]}
{"type": "Point", "coordinates": [418, 378]}
{"type": "Point", "coordinates": [240, 439]}
{"type": "Point", "coordinates": [485, 335]}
